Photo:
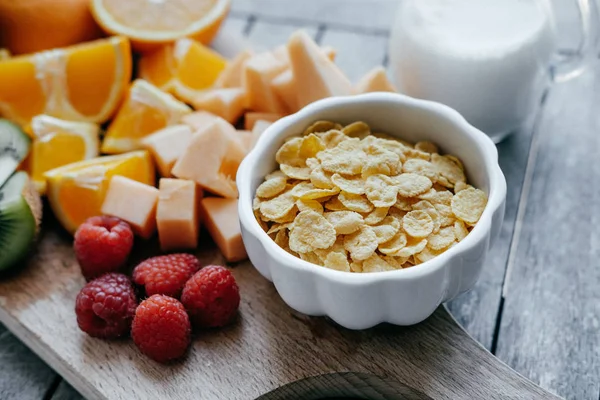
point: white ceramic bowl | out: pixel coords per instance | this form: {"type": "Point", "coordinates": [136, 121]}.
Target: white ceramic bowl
{"type": "Point", "coordinates": [402, 297]}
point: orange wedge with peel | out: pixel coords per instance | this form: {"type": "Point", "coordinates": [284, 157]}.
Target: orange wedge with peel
{"type": "Point", "coordinates": [57, 142]}
{"type": "Point", "coordinates": [183, 68]}
{"type": "Point", "coordinates": [85, 82]}
{"type": "Point", "coordinates": [145, 110]}
{"type": "Point", "coordinates": [151, 23]}
{"type": "Point", "coordinates": [76, 191]}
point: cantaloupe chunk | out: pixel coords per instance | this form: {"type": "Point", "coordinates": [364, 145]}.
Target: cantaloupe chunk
{"type": "Point", "coordinates": [212, 159]}
{"type": "Point", "coordinates": [199, 119]}
{"type": "Point", "coordinates": [284, 84]}
{"type": "Point", "coordinates": [220, 216]}
{"type": "Point", "coordinates": [226, 103]}
{"type": "Point", "coordinates": [250, 118]}
{"type": "Point", "coordinates": [284, 87]}
{"type": "Point", "coordinates": [246, 139]}
{"type": "Point", "coordinates": [177, 214]}
{"type": "Point", "coordinates": [259, 72]}
{"type": "Point", "coordinates": [166, 145]}
{"type": "Point", "coordinates": [134, 203]}
{"type": "Point", "coordinates": [375, 80]}
{"type": "Point", "coordinates": [231, 76]}
{"type": "Point", "coordinates": [319, 76]}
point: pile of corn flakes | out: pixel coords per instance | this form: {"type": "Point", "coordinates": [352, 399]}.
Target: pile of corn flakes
{"type": "Point", "coordinates": [353, 201]}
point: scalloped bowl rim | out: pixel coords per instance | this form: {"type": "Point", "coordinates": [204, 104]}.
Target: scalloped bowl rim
{"type": "Point", "coordinates": [496, 195]}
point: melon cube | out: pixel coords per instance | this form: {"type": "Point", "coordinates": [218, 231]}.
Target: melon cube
{"type": "Point", "coordinates": [259, 128]}
{"type": "Point", "coordinates": [199, 119]}
{"type": "Point", "coordinates": [259, 72]}
{"type": "Point", "coordinates": [284, 87]}
{"type": "Point", "coordinates": [246, 139]}
{"type": "Point", "coordinates": [166, 145]}
{"type": "Point", "coordinates": [220, 216]}
{"type": "Point", "coordinates": [319, 76]}
{"type": "Point", "coordinates": [228, 104]}
{"type": "Point", "coordinates": [177, 214]}
{"type": "Point", "coordinates": [375, 80]}
{"type": "Point", "coordinates": [134, 203]}
{"type": "Point", "coordinates": [250, 118]}
{"type": "Point", "coordinates": [212, 159]}
{"type": "Point", "coordinates": [231, 76]}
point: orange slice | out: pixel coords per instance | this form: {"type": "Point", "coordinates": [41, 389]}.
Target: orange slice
{"type": "Point", "coordinates": [145, 110]}
{"type": "Point", "coordinates": [57, 143]}
{"type": "Point", "coordinates": [79, 83]}
{"type": "Point", "coordinates": [183, 68]}
{"type": "Point", "coordinates": [149, 23]}
{"type": "Point", "coordinates": [76, 191]}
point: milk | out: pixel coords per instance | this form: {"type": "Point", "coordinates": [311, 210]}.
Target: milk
{"type": "Point", "coordinates": [488, 59]}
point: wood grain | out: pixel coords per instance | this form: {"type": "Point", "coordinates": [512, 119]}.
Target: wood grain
{"type": "Point", "coordinates": [269, 346]}
{"type": "Point", "coordinates": [551, 316]}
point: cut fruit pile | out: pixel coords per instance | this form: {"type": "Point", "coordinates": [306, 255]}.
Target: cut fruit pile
{"type": "Point", "coordinates": [178, 118]}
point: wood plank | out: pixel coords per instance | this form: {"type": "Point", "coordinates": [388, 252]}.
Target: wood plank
{"type": "Point", "coordinates": [270, 343]}
{"type": "Point", "coordinates": [23, 375]}
{"type": "Point", "coordinates": [477, 310]}
{"type": "Point", "coordinates": [357, 52]}
{"type": "Point", "coordinates": [373, 15]}
{"type": "Point", "coordinates": [64, 391]}
{"type": "Point", "coordinates": [551, 317]}
{"type": "Point", "coordinates": [266, 35]}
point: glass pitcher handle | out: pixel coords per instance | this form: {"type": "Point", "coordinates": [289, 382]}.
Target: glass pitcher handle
{"type": "Point", "coordinates": [574, 64]}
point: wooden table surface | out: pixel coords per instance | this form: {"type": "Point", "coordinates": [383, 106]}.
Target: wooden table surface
{"type": "Point", "coordinates": [537, 304]}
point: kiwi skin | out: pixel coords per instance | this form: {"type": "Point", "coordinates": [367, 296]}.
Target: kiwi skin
{"type": "Point", "coordinates": [20, 218]}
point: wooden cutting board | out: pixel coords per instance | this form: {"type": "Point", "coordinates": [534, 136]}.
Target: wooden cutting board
{"type": "Point", "coordinates": [270, 352]}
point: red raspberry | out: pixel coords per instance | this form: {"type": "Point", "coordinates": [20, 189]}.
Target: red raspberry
{"type": "Point", "coordinates": [211, 297]}
{"type": "Point", "coordinates": [166, 274]}
{"type": "Point", "coordinates": [161, 328]}
{"type": "Point", "coordinates": [102, 244]}
{"type": "Point", "coordinates": [105, 306]}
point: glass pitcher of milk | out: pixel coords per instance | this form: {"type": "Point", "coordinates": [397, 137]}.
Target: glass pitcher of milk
{"type": "Point", "coordinates": [488, 59]}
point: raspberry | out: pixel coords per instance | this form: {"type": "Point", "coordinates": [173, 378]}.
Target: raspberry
{"type": "Point", "coordinates": [105, 306]}
{"type": "Point", "coordinates": [161, 328]}
{"type": "Point", "coordinates": [211, 297]}
{"type": "Point", "coordinates": [166, 274]}
{"type": "Point", "coordinates": [102, 244]}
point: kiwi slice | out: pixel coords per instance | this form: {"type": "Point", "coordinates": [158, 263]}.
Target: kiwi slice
{"type": "Point", "coordinates": [14, 146]}
{"type": "Point", "coordinates": [20, 217]}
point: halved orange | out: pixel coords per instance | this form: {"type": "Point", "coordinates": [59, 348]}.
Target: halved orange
{"type": "Point", "coordinates": [57, 142]}
{"type": "Point", "coordinates": [150, 23]}
{"type": "Point", "coordinates": [84, 82]}
{"type": "Point", "coordinates": [183, 68]}
{"type": "Point", "coordinates": [145, 110]}
{"type": "Point", "coordinates": [76, 191]}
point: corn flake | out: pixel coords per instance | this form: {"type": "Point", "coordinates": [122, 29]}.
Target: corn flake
{"type": "Point", "coordinates": [304, 205]}
{"type": "Point", "coordinates": [468, 205]}
{"type": "Point", "coordinates": [413, 246]}
{"type": "Point", "coordinates": [460, 230]}
{"type": "Point", "coordinates": [354, 202]}
{"type": "Point", "coordinates": [444, 238]}
{"type": "Point", "coordinates": [277, 207]}
{"type": "Point", "coordinates": [345, 222]}
{"type": "Point", "coordinates": [357, 130]}
{"type": "Point", "coordinates": [271, 187]}
{"type": "Point", "coordinates": [301, 173]}
{"type": "Point", "coordinates": [420, 167]}
{"type": "Point", "coordinates": [417, 224]}
{"type": "Point", "coordinates": [322, 126]}
{"type": "Point", "coordinates": [447, 168]}
{"type": "Point", "coordinates": [386, 229]}
{"type": "Point", "coordinates": [334, 204]}
{"type": "Point", "coordinates": [353, 185]}
{"type": "Point", "coordinates": [361, 244]}
{"type": "Point", "coordinates": [311, 231]}
{"type": "Point", "coordinates": [337, 261]}
{"type": "Point", "coordinates": [310, 146]}
{"type": "Point", "coordinates": [410, 185]}
{"type": "Point", "coordinates": [377, 215]}
{"type": "Point", "coordinates": [427, 147]}
{"type": "Point", "coordinates": [381, 190]}
{"type": "Point", "coordinates": [376, 264]}
{"type": "Point", "coordinates": [394, 245]}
